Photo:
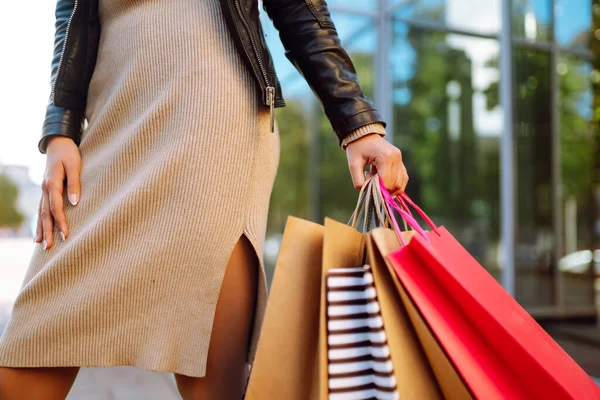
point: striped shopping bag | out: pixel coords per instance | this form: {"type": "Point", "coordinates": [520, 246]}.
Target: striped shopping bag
{"type": "Point", "coordinates": [365, 341]}
{"type": "Point", "coordinates": [359, 362]}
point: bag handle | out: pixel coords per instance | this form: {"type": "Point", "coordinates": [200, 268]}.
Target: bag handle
{"type": "Point", "coordinates": [389, 201]}
{"type": "Point", "coordinates": [402, 203]}
{"type": "Point", "coordinates": [360, 202]}
{"type": "Point", "coordinates": [380, 206]}
{"type": "Point", "coordinates": [368, 205]}
{"type": "Point", "coordinates": [404, 207]}
{"type": "Point", "coordinates": [380, 202]}
{"type": "Point", "coordinates": [405, 199]}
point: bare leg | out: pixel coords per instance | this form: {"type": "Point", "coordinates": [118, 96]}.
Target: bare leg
{"type": "Point", "coordinates": [226, 366]}
{"type": "Point", "coordinates": [36, 383]}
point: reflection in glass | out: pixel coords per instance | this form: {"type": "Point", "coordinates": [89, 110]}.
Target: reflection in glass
{"type": "Point", "coordinates": [573, 22]}
{"type": "Point", "coordinates": [577, 162]}
{"type": "Point", "coordinates": [473, 15]}
{"type": "Point", "coordinates": [448, 124]}
{"type": "Point", "coordinates": [535, 239]}
{"type": "Point", "coordinates": [532, 19]}
{"type": "Point", "coordinates": [361, 5]}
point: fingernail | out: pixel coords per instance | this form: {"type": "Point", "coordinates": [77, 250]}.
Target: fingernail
{"type": "Point", "coordinates": [35, 239]}
{"type": "Point", "coordinates": [45, 244]}
{"type": "Point", "coordinates": [73, 198]}
{"type": "Point", "coordinates": [62, 236]}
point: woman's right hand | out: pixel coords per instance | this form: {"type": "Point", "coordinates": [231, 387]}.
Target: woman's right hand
{"type": "Point", "coordinates": [63, 161]}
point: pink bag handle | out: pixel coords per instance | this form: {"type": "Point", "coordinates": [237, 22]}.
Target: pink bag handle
{"type": "Point", "coordinates": [404, 197]}
{"type": "Point", "coordinates": [389, 201]}
{"type": "Point", "coordinates": [403, 204]}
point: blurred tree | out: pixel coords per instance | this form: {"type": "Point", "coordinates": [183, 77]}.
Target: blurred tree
{"type": "Point", "coordinates": [290, 191]}
{"type": "Point", "coordinates": [337, 193]}
{"type": "Point", "coordinates": [576, 129]}
{"type": "Point", "coordinates": [424, 120]}
{"type": "Point", "coordinates": [595, 47]}
{"type": "Point", "coordinates": [533, 140]}
{"type": "Point", "coordinates": [436, 127]}
{"type": "Point", "coordinates": [9, 193]}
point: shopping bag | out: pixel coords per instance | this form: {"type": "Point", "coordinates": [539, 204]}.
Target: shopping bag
{"type": "Point", "coordinates": [398, 308]}
{"type": "Point", "coordinates": [495, 345]}
{"type": "Point", "coordinates": [345, 247]}
{"type": "Point", "coordinates": [285, 366]}
{"type": "Point", "coordinates": [286, 363]}
{"type": "Point", "coordinates": [358, 356]}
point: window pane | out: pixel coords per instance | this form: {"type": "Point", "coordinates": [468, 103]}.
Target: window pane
{"type": "Point", "coordinates": [448, 124]}
{"type": "Point", "coordinates": [362, 5]}
{"type": "Point", "coordinates": [535, 239]}
{"type": "Point", "coordinates": [474, 15]}
{"type": "Point", "coordinates": [577, 163]}
{"type": "Point", "coordinates": [573, 22]}
{"type": "Point", "coordinates": [532, 19]}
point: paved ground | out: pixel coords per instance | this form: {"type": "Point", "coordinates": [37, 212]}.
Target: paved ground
{"type": "Point", "coordinates": [123, 383]}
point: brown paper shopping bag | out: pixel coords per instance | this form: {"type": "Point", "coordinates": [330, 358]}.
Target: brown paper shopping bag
{"type": "Point", "coordinates": [344, 247]}
{"type": "Point", "coordinates": [286, 362]}
{"type": "Point", "coordinates": [380, 243]}
{"type": "Point", "coordinates": [285, 366]}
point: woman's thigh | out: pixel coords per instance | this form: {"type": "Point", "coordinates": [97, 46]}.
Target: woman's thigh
{"type": "Point", "coordinates": [36, 383]}
{"type": "Point", "coordinates": [226, 365]}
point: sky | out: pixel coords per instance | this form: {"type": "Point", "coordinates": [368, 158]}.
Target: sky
{"type": "Point", "coordinates": [28, 42]}
{"type": "Point", "coordinates": [27, 45]}
{"type": "Point", "coordinates": [573, 16]}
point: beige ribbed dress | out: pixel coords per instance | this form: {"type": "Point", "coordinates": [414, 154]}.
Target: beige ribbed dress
{"type": "Point", "coordinates": [178, 163]}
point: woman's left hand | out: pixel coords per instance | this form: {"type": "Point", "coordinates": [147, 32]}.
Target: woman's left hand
{"type": "Point", "coordinates": [386, 157]}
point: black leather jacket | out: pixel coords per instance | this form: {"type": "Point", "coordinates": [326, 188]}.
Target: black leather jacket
{"type": "Point", "coordinates": [306, 31]}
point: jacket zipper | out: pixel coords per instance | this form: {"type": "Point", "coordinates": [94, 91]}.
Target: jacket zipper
{"type": "Point", "coordinates": [270, 90]}
{"type": "Point", "coordinates": [62, 54]}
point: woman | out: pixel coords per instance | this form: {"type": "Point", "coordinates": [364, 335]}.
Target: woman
{"type": "Point", "coordinates": [152, 218]}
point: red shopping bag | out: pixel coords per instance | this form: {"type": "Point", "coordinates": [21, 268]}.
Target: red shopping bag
{"type": "Point", "coordinates": [497, 347]}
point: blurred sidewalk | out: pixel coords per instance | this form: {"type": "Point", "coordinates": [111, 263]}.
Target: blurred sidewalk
{"type": "Point", "coordinates": [123, 383]}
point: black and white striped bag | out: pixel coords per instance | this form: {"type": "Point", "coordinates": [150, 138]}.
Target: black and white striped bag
{"type": "Point", "coordinates": [359, 362]}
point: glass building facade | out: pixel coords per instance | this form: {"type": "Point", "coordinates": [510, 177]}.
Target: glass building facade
{"type": "Point", "coordinates": [495, 106]}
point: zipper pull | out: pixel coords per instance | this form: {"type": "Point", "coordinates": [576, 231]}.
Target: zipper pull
{"type": "Point", "coordinates": [271, 104]}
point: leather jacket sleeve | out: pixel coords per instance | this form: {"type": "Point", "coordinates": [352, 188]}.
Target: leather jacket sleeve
{"type": "Point", "coordinates": [59, 120]}
{"type": "Point", "coordinates": [313, 46]}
